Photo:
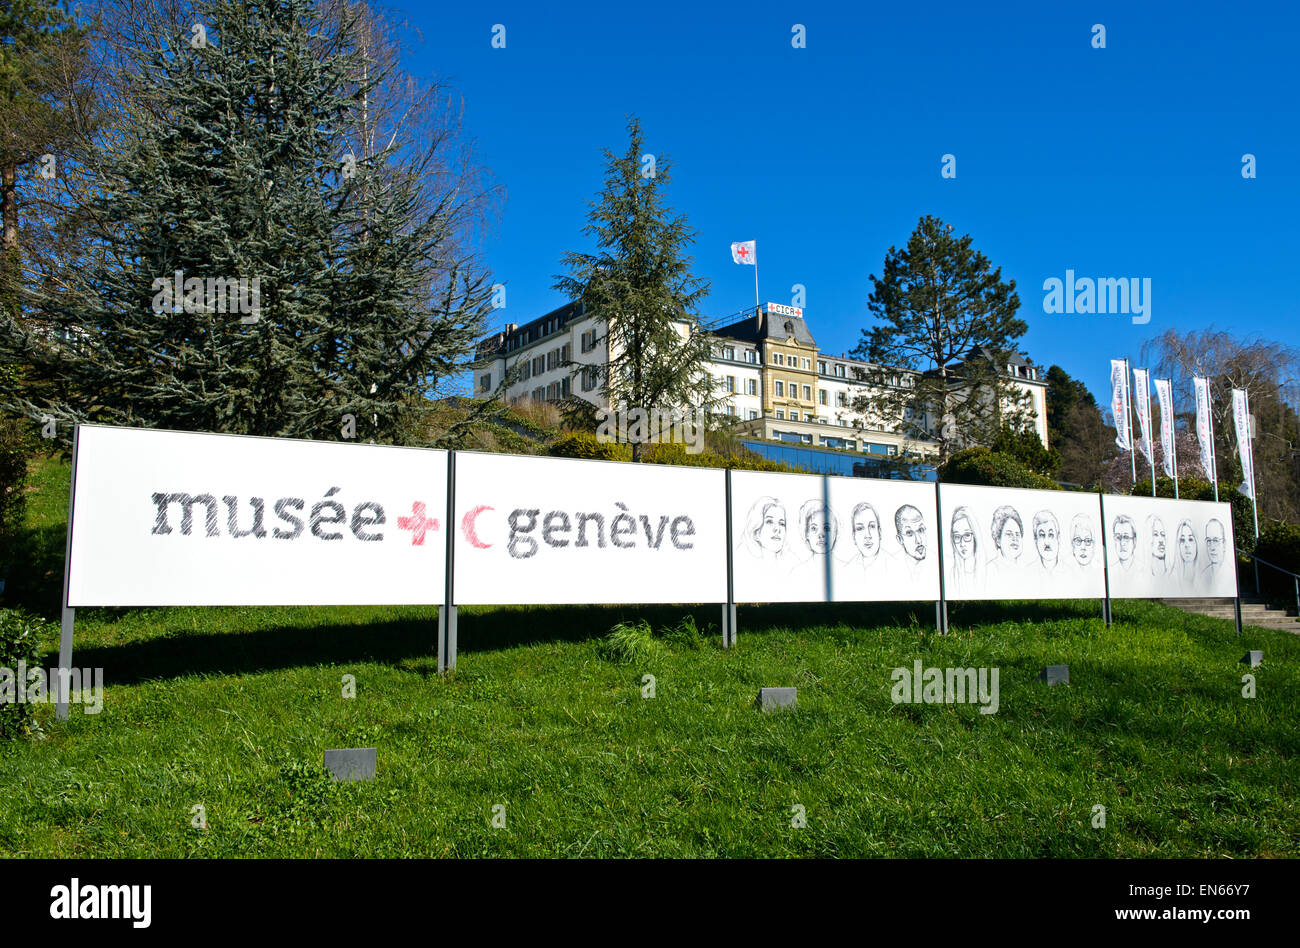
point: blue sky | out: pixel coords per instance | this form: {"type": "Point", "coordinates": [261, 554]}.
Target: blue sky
{"type": "Point", "coordinates": [1116, 162]}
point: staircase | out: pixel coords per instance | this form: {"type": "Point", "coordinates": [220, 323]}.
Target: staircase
{"type": "Point", "coordinates": [1253, 612]}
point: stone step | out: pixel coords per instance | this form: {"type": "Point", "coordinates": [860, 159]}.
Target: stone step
{"type": "Point", "coordinates": [1253, 613]}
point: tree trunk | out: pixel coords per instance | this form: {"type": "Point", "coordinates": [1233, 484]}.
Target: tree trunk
{"type": "Point", "coordinates": [10, 261]}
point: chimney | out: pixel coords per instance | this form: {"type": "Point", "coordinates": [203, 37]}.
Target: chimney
{"type": "Point", "coordinates": [511, 327]}
{"type": "Point", "coordinates": [758, 321]}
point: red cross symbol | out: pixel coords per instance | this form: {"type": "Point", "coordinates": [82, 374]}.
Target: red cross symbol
{"type": "Point", "coordinates": [417, 523]}
{"type": "Point", "coordinates": [743, 252]}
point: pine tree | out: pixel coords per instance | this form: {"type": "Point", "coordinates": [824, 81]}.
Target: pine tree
{"type": "Point", "coordinates": [640, 289]}
{"type": "Point", "coordinates": [348, 306]}
{"type": "Point", "coordinates": [946, 315]}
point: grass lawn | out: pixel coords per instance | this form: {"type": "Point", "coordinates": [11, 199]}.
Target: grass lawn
{"type": "Point", "coordinates": [231, 709]}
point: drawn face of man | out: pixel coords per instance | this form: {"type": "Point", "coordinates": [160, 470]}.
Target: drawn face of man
{"type": "Point", "coordinates": [1157, 538]}
{"type": "Point", "coordinates": [1214, 542]}
{"type": "Point", "coordinates": [1082, 544]}
{"type": "Point", "coordinates": [1047, 541]}
{"type": "Point", "coordinates": [1125, 541]}
{"type": "Point", "coordinates": [963, 538]}
{"type": "Point", "coordinates": [1009, 540]}
{"type": "Point", "coordinates": [911, 533]}
{"type": "Point", "coordinates": [771, 534]}
{"type": "Point", "coordinates": [1187, 543]}
{"type": "Point", "coordinates": [818, 534]}
{"type": "Point", "coordinates": [866, 533]}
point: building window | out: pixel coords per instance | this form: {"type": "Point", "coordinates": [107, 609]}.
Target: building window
{"type": "Point", "coordinates": [821, 367]}
{"type": "Point", "coordinates": [566, 352]}
{"type": "Point", "coordinates": [552, 391]}
{"type": "Point", "coordinates": [589, 340]}
{"type": "Point", "coordinates": [839, 370]}
{"type": "Point", "coordinates": [539, 365]}
{"type": "Point", "coordinates": [807, 393]}
{"type": "Point", "coordinates": [807, 416]}
{"type": "Point", "coordinates": [779, 413]}
{"type": "Point", "coordinates": [729, 352]}
{"type": "Point", "coordinates": [485, 383]}
{"type": "Point", "coordinates": [730, 383]}
{"type": "Point", "coordinates": [751, 355]}
{"type": "Point", "coordinates": [840, 400]}
{"type": "Point", "coordinates": [588, 378]}
{"type": "Point", "coordinates": [821, 396]}
{"type": "Point", "coordinates": [779, 388]}
{"type": "Point", "coordinates": [805, 363]}
{"type": "Point", "coordinates": [564, 387]}
{"type": "Point", "coordinates": [539, 394]}
{"type": "Point", "coordinates": [751, 386]}
{"type": "Point", "coordinates": [752, 414]}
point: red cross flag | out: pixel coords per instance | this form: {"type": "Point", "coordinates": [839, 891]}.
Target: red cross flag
{"type": "Point", "coordinates": [746, 251]}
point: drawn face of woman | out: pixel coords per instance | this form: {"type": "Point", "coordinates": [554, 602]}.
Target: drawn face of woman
{"type": "Point", "coordinates": [1187, 543]}
{"type": "Point", "coordinates": [963, 539]}
{"type": "Point", "coordinates": [818, 535]}
{"type": "Point", "coordinates": [1157, 538]}
{"type": "Point", "coordinates": [1009, 541]}
{"type": "Point", "coordinates": [771, 533]}
{"type": "Point", "coordinates": [866, 533]}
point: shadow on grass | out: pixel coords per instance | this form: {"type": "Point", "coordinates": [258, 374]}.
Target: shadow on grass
{"type": "Point", "coordinates": [34, 570]}
{"type": "Point", "coordinates": [172, 654]}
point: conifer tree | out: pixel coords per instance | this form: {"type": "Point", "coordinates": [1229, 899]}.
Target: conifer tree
{"type": "Point", "coordinates": [944, 313]}
{"type": "Point", "coordinates": [639, 287]}
{"type": "Point", "coordinates": [313, 286]}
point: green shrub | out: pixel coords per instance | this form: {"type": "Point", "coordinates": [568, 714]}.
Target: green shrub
{"type": "Point", "coordinates": [1026, 447]}
{"type": "Point", "coordinates": [588, 448]}
{"type": "Point", "coordinates": [15, 447]}
{"type": "Point", "coordinates": [19, 634]}
{"type": "Point", "coordinates": [990, 469]}
{"type": "Point", "coordinates": [1279, 544]}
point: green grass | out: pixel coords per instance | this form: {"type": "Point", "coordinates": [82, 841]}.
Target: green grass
{"type": "Point", "coordinates": [232, 708]}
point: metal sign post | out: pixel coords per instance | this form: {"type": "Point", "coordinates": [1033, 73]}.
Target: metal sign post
{"type": "Point", "coordinates": [447, 611]}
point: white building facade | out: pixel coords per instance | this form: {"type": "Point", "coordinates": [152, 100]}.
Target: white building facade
{"type": "Point", "coordinates": [774, 379]}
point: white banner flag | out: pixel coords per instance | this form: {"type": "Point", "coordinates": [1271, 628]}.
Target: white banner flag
{"type": "Point", "coordinates": [1165, 395]}
{"type": "Point", "coordinates": [1241, 415]}
{"type": "Point", "coordinates": [1119, 402]}
{"type": "Point", "coordinates": [745, 251]}
{"type": "Point", "coordinates": [1202, 387]}
{"type": "Point", "coordinates": [1142, 401]}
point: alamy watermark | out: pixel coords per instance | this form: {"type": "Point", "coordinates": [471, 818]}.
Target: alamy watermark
{"type": "Point", "coordinates": [195, 295]}
{"type": "Point", "coordinates": [921, 685]}
{"type": "Point", "coordinates": [652, 426]}
{"type": "Point", "coordinates": [1102, 296]}
{"type": "Point", "coordinates": [25, 685]}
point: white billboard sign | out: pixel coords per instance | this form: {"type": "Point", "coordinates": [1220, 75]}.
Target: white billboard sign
{"type": "Point", "coordinates": [806, 538]}
{"type": "Point", "coordinates": [1007, 543]}
{"type": "Point", "coordinates": [1170, 549]}
{"type": "Point", "coordinates": [167, 518]}
{"type": "Point", "coordinates": [558, 530]}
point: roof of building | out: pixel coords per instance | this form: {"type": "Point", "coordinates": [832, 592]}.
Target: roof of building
{"type": "Point", "coordinates": [498, 340]}
{"type": "Point", "coordinates": [768, 326]}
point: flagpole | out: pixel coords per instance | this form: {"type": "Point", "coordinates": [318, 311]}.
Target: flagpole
{"type": "Point", "coordinates": [1173, 435]}
{"type": "Point", "coordinates": [1250, 446]}
{"type": "Point", "coordinates": [1128, 421]}
{"type": "Point", "coordinates": [757, 304]}
{"type": "Point", "coordinates": [1214, 461]}
{"type": "Point", "coordinates": [1150, 441]}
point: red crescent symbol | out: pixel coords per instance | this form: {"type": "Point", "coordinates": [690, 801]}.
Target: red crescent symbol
{"type": "Point", "coordinates": [467, 527]}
